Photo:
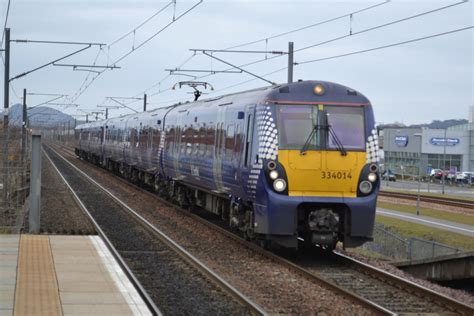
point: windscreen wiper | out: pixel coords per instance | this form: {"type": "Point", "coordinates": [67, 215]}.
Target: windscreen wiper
{"type": "Point", "coordinates": [308, 140]}
{"type": "Point", "coordinates": [337, 141]}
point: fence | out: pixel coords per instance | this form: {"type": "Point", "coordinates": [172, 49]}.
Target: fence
{"type": "Point", "coordinates": [14, 178]}
{"type": "Point", "coordinates": [394, 246]}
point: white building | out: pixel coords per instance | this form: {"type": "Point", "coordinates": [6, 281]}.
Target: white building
{"type": "Point", "coordinates": [450, 149]}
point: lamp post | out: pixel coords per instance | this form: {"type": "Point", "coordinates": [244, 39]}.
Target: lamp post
{"type": "Point", "coordinates": [445, 141]}
{"type": "Point", "coordinates": [419, 174]}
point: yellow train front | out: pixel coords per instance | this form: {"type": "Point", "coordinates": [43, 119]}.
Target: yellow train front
{"type": "Point", "coordinates": [315, 174]}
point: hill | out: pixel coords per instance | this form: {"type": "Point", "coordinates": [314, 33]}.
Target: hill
{"type": "Point", "coordinates": [436, 124]}
{"type": "Point", "coordinates": [39, 116]}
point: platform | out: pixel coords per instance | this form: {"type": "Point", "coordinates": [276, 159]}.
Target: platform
{"type": "Point", "coordinates": [63, 275]}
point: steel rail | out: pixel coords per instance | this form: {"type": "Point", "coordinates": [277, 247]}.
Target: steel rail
{"type": "Point", "coordinates": [430, 199]}
{"type": "Point", "coordinates": [446, 301]}
{"type": "Point", "coordinates": [140, 289]}
{"type": "Point", "coordinates": [269, 255]}
{"type": "Point", "coordinates": [450, 303]}
{"type": "Point", "coordinates": [254, 308]}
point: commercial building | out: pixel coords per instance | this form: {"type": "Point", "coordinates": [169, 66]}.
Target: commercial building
{"type": "Point", "coordinates": [451, 149]}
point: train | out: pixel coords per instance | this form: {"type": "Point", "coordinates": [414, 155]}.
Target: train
{"type": "Point", "coordinates": [292, 165]}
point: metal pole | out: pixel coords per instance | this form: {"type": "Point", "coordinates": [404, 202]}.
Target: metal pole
{"type": "Point", "coordinates": [386, 139]}
{"type": "Point", "coordinates": [68, 130]}
{"type": "Point", "coordinates": [444, 161]}
{"type": "Point", "coordinates": [144, 102]}
{"type": "Point", "coordinates": [419, 183]}
{"type": "Point", "coordinates": [290, 62]}
{"type": "Point", "coordinates": [87, 118]}
{"type": "Point", "coordinates": [23, 141]}
{"type": "Point", "coordinates": [35, 186]}
{"type": "Point", "coordinates": [6, 101]}
{"type": "Point", "coordinates": [106, 113]}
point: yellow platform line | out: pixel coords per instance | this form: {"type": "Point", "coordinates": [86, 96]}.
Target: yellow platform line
{"type": "Point", "coordinates": [37, 287]}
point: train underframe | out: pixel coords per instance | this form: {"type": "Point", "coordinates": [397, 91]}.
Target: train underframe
{"type": "Point", "coordinates": [316, 223]}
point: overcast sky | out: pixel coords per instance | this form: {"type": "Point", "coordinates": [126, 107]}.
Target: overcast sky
{"type": "Point", "coordinates": [414, 83]}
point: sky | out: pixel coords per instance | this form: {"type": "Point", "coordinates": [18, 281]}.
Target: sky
{"type": "Point", "coordinates": [413, 83]}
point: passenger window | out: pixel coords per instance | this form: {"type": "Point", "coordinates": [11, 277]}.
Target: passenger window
{"type": "Point", "coordinates": [229, 142]}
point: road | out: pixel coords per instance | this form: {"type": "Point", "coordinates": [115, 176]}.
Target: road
{"type": "Point", "coordinates": [412, 186]}
{"type": "Point", "coordinates": [429, 221]}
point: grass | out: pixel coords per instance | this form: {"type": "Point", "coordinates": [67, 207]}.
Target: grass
{"type": "Point", "coordinates": [408, 229]}
{"type": "Point", "coordinates": [444, 215]}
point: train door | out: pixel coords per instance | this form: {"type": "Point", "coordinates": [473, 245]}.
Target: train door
{"type": "Point", "coordinates": [248, 150]}
{"type": "Point", "coordinates": [178, 145]}
{"type": "Point", "coordinates": [219, 148]}
{"type": "Point", "coordinates": [102, 144]}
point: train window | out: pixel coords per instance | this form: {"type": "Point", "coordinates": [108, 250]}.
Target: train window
{"type": "Point", "coordinates": [169, 139]}
{"type": "Point", "coordinates": [195, 141]}
{"type": "Point", "coordinates": [238, 142]}
{"type": "Point", "coordinates": [209, 141]}
{"type": "Point", "coordinates": [230, 142]}
{"type": "Point", "coordinates": [156, 137]}
{"type": "Point", "coordinates": [348, 124]}
{"type": "Point", "coordinates": [202, 141]}
{"type": "Point", "coordinates": [219, 140]}
{"type": "Point", "coordinates": [296, 124]}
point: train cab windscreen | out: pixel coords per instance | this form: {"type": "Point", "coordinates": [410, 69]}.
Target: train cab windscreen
{"type": "Point", "coordinates": [313, 127]}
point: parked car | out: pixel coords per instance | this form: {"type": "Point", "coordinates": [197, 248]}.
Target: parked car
{"type": "Point", "coordinates": [465, 177]}
{"type": "Point", "coordinates": [451, 176]}
{"type": "Point", "coordinates": [434, 172]}
{"type": "Point", "coordinates": [440, 173]}
{"type": "Point", "coordinates": [388, 175]}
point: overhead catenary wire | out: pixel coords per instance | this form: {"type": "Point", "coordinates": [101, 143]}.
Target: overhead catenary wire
{"type": "Point", "coordinates": [266, 39]}
{"type": "Point", "coordinates": [157, 33]}
{"type": "Point", "coordinates": [310, 26]}
{"type": "Point", "coordinates": [293, 31]}
{"type": "Point", "coordinates": [338, 38]}
{"type": "Point", "coordinates": [353, 53]}
{"type": "Point", "coordinates": [386, 46]}
{"type": "Point", "coordinates": [382, 25]}
{"type": "Point", "coordinates": [140, 25]}
{"type": "Point", "coordinates": [86, 85]}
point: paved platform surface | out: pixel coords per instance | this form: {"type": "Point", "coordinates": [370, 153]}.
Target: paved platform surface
{"type": "Point", "coordinates": [428, 221]}
{"type": "Point", "coordinates": [63, 275]}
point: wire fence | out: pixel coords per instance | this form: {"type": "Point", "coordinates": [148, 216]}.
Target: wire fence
{"type": "Point", "coordinates": [398, 248]}
{"type": "Point", "coordinates": [14, 178]}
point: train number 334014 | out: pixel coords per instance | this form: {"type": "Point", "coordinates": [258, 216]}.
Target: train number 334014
{"type": "Point", "coordinates": [336, 175]}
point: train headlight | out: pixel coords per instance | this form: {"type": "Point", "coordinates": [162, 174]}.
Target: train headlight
{"type": "Point", "coordinates": [318, 89]}
{"type": "Point", "coordinates": [279, 185]}
{"type": "Point", "coordinates": [273, 174]}
{"type": "Point", "coordinates": [372, 177]}
{"type": "Point", "coordinates": [365, 187]}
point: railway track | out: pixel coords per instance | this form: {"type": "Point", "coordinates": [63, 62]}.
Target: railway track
{"type": "Point", "coordinates": [376, 289]}
{"type": "Point", "coordinates": [430, 199]}
{"type": "Point", "coordinates": [174, 279]}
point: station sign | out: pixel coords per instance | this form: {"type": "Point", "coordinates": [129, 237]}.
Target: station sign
{"type": "Point", "coordinates": [440, 141]}
{"type": "Point", "coordinates": [401, 141]}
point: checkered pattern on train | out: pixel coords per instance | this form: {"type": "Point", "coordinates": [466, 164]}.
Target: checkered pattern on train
{"type": "Point", "coordinates": [162, 143]}
{"type": "Point", "coordinates": [372, 147]}
{"type": "Point", "coordinates": [267, 145]}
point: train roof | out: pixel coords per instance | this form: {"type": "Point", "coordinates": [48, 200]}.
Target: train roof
{"type": "Point", "coordinates": [296, 92]}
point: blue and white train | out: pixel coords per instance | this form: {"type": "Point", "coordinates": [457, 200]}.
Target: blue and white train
{"type": "Point", "coordinates": [293, 164]}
